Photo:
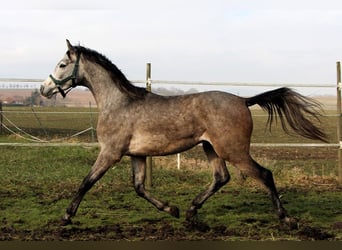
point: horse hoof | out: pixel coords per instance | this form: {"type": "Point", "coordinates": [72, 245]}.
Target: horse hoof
{"type": "Point", "coordinates": [291, 222]}
{"type": "Point", "coordinates": [174, 211]}
{"type": "Point", "coordinates": [190, 214]}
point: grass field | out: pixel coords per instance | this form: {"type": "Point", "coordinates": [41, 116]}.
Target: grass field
{"type": "Point", "coordinates": [37, 183]}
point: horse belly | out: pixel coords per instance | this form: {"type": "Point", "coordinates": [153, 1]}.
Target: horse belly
{"type": "Point", "coordinates": [158, 145]}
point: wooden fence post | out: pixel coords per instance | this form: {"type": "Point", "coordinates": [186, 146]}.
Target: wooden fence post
{"type": "Point", "coordinates": [148, 180]}
{"type": "Point", "coordinates": [1, 118]}
{"type": "Point", "coordinates": [339, 132]}
{"type": "Point", "coordinates": [92, 123]}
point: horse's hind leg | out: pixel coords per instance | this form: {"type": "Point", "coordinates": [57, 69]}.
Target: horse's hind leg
{"type": "Point", "coordinates": [139, 170]}
{"type": "Point", "coordinates": [221, 177]}
{"type": "Point", "coordinates": [263, 175]}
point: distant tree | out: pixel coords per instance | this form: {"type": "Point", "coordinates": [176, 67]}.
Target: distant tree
{"type": "Point", "coordinates": [34, 99]}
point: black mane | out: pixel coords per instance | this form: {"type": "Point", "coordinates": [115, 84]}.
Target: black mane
{"type": "Point", "coordinates": [117, 76]}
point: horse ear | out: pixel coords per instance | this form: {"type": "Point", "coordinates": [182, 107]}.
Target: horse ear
{"type": "Point", "coordinates": [70, 47]}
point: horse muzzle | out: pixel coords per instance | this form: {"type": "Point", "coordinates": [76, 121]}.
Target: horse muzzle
{"type": "Point", "coordinates": [48, 89]}
{"type": "Point", "coordinates": [47, 92]}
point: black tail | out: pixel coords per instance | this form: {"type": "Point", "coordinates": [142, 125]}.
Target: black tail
{"type": "Point", "coordinates": [294, 107]}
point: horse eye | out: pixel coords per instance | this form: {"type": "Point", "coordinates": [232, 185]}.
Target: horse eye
{"type": "Point", "coordinates": [62, 65]}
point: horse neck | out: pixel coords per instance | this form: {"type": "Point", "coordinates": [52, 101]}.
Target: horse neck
{"type": "Point", "coordinates": [105, 91]}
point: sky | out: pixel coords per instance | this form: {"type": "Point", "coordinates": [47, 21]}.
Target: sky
{"type": "Point", "coordinates": [290, 41]}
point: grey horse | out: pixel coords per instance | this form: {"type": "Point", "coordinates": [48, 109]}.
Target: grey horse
{"type": "Point", "coordinates": [138, 124]}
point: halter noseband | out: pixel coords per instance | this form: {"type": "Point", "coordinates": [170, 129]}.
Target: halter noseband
{"type": "Point", "coordinates": [72, 77]}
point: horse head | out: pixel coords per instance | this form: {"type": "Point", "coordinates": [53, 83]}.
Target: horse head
{"type": "Point", "coordinates": [66, 75]}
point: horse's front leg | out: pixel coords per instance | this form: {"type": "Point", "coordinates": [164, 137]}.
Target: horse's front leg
{"type": "Point", "coordinates": [139, 170]}
{"type": "Point", "coordinates": [103, 163]}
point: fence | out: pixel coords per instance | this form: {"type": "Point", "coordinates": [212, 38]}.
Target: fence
{"type": "Point", "coordinates": [149, 83]}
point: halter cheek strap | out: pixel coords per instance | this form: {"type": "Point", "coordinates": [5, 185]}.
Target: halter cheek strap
{"type": "Point", "coordinates": [62, 92]}
{"type": "Point", "coordinates": [72, 77]}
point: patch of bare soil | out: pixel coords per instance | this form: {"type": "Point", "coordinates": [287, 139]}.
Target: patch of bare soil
{"type": "Point", "coordinates": [313, 233]}
{"type": "Point", "coordinates": [153, 231]}
{"type": "Point", "coordinates": [294, 153]}
{"type": "Point", "coordinates": [162, 231]}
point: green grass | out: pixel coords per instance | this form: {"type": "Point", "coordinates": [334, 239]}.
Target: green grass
{"type": "Point", "coordinates": [48, 123]}
{"type": "Point", "coordinates": [37, 184]}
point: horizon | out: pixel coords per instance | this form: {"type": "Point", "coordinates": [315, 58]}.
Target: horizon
{"type": "Point", "coordinates": [172, 89]}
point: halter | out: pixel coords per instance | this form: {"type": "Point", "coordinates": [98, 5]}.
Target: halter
{"type": "Point", "coordinates": [72, 77]}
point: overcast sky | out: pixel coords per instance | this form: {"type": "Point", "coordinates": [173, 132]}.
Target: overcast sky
{"type": "Point", "coordinates": [215, 40]}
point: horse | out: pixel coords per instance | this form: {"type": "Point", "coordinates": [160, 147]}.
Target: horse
{"type": "Point", "coordinates": [138, 123]}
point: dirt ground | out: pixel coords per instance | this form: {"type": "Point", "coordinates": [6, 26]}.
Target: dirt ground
{"type": "Point", "coordinates": [158, 231]}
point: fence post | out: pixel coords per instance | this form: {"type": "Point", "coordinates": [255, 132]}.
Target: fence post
{"type": "Point", "coordinates": [178, 161]}
{"type": "Point", "coordinates": [339, 135]}
{"type": "Point", "coordinates": [91, 124]}
{"type": "Point", "coordinates": [1, 118]}
{"type": "Point", "coordinates": [148, 180]}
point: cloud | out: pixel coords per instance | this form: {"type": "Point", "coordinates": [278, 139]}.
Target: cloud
{"type": "Point", "coordinates": [254, 41]}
